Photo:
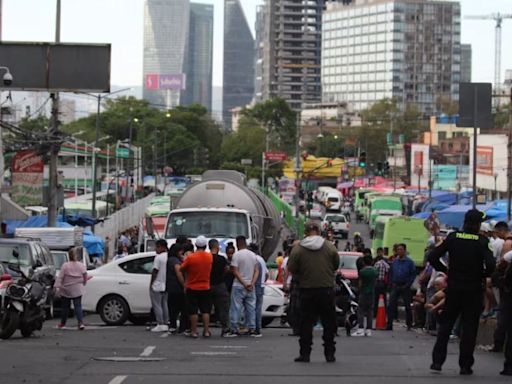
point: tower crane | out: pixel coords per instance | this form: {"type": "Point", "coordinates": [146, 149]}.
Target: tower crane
{"type": "Point", "coordinates": [498, 17]}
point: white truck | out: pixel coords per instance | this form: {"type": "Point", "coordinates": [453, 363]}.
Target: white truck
{"type": "Point", "coordinates": [221, 206]}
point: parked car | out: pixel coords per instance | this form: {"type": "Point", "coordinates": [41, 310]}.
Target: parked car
{"type": "Point", "coordinates": [119, 291]}
{"type": "Point", "coordinates": [338, 223]}
{"type": "Point", "coordinates": [348, 266]}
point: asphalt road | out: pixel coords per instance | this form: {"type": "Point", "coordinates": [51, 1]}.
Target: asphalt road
{"type": "Point", "coordinates": [72, 356]}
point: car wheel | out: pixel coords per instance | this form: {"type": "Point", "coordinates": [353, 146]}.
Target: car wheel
{"type": "Point", "coordinates": [113, 310]}
{"type": "Point", "coordinates": [266, 321]}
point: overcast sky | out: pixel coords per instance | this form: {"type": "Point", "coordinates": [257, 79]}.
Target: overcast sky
{"type": "Point", "coordinates": [120, 22]}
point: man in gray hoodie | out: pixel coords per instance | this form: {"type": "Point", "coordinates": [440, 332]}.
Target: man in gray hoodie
{"type": "Point", "coordinates": [315, 261]}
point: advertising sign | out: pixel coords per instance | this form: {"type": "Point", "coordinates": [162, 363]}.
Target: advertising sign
{"type": "Point", "coordinates": [484, 162]}
{"type": "Point", "coordinates": [27, 178]}
{"type": "Point", "coordinates": [173, 82]}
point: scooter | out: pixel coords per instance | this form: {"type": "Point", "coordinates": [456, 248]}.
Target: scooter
{"type": "Point", "coordinates": [24, 302]}
{"type": "Point", "coordinates": [346, 305]}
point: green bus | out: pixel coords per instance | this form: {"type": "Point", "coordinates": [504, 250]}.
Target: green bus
{"type": "Point", "coordinates": [368, 199]}
{"type": "Point", "coordinates": [407, 230]}
{"type": "Point", "coordinates": [384, 206]}
{"type": "Point", "coordinates": [359, 202]}
{"type": "Point", "coordinates": [378, 233]}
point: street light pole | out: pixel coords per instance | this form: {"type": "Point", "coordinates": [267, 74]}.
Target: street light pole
{"type": "Point", "coordinates": [94, 170]}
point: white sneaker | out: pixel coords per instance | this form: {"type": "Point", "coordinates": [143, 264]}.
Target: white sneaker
{"type": "Point", "coordinates": [358, 333]}
{"type": "Point", "coordinates": [160, 328]}
{"type": "Point", "coordinates": [368, 333]}
{"type": "Point", "coordinates": [165, 328]}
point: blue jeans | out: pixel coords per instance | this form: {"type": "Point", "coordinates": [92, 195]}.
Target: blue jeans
{"type": "Point", "coordinates": [242, 299]}
{"type": "Point", "coordinates": [65, 305]}
{"type": "Point", "coordinates": [259, 306]}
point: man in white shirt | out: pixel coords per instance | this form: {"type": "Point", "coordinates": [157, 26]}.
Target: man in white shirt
{"type": "Point", "coordinates": [157, 291]}
{"type": "Point", "coordinates": [243, 295]}
{"type": "Point", "coordinates": [259, 287]}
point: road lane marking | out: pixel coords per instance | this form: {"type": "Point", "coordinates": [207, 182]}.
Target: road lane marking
{"type": "Point", "coordinates": [206, 353]}
{"type": "Point", "coordinates": [117, 380]}
{"type": "Point", "coordinates": [228, 346]}
{"type": "Point", "coordinates": [122, 359]}
{"type": "Point", "coordinates": [148, 351]}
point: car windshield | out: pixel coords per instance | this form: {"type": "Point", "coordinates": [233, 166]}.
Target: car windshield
{"type": "Point", "coordinates": [209, 224]}
{"type": "Point", "coordinates": [348, 261]}
{"type": "Point", "coordinates": [334, 199]}
{"type": "Point", "coordinates": [6, 254]}
{"type": "Point", "coordinates": [59, 258]}
{"type": "Point", "coordinates": [335, 218]}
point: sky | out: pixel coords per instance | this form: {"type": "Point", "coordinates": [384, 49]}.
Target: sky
{"type": "Point", "coordinates": [120, 22]}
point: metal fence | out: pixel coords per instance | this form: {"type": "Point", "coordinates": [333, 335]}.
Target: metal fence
{"type": "Point", "coordinates": [119, 221]}
{"type": "Point", "coordinates": [288, 214]}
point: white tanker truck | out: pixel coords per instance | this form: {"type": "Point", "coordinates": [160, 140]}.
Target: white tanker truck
{"type": "Point", "coordinates": [222, 207]}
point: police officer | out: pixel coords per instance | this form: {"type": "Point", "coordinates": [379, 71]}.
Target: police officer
{"type": "Point", "coordinates": [470, 262]}
{"type": "Point", "coordinates": [314, 261]}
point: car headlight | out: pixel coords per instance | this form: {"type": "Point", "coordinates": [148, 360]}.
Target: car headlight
{"type": "Point", "coordinates": [273, 292]}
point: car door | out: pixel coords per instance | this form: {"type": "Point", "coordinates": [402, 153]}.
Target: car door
{"type": "Point", "coordinates": [134, 283]}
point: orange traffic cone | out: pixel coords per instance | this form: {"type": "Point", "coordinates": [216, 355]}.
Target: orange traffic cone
{"type": "Point", "coordinates": [381, 322]}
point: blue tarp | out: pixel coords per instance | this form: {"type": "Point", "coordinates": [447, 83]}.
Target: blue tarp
{"type": "Point", "coordinates": [454, 216]}
{"type": "Point", "coordinates": [93, 244]}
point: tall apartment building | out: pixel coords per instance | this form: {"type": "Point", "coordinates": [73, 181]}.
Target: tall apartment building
{"type": "Point", "coordinates": [178, 54]}
{"type": "Point", "coordinates": [466, 57]}
{"type": "Point", "coordinates": [238, 82]}
{"type": "Point", "coordinates": [259, 45]}
{"type": "Point", "coordinates": [408, 50]}
{"type": "Point", "coordinates": [291, 54]}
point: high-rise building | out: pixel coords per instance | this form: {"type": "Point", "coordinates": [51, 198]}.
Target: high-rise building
{"type": "Point", "coordinates": [178, 41]}
{"type": "Point", "coordinates": [259, 45]}
{"type": "Point", "coordinates": [291, 51]}
{"type": "Point", "coordinates": [238, 88]}
{"type": "Point", "coordinates": [465, 63]}
{"type": "Point", "coordinates": [200, 56]}
{"type": "Point", "coordinates": [408, 50]}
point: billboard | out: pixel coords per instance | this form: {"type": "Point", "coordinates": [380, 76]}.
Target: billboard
{"type": "Point", "coordinates": [27, 178]}
{"type": "Point", "coordinates": [173, 82]}
{"type": "Point", "coordinates": [57, 67]}
{"type": "Point", "coordinates": [484, 160]}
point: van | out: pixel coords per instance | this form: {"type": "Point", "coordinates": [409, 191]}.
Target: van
{"type": "Point", "coordinates": [333, 200]}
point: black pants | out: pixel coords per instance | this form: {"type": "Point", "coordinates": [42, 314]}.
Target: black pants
{"type": "Point", "coordinates": [293, 311]}
{"type": "Point", "coordinates": [469, 306]}
{"type": "Point", "coordinates": [380, 289]}
{"type": "Point", "coordinates": [315, 303]}
{"type": "Point", "coordinates": [500, 334]}
{"type": "Point", "coordinates": [397, 291]}
{"type": "Point", "coordinates": [220, 300]}
{"type": "Point", "coordinates": [506, 309]}
{"type": "Point", "coordinates": [178, 308]}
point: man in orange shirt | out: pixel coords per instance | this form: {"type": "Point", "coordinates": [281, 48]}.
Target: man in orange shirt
{"type": "Point", "coordinates": [198, 267]}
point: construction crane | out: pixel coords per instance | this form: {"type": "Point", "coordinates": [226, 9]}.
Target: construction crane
{"type": "Point", "coordinates": [498, 17]}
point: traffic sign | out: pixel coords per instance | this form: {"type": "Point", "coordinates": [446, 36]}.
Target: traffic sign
{"type": "Point", "coordinates": [276, 156]}
{"type": "Point", "coordinates": [123, 153]}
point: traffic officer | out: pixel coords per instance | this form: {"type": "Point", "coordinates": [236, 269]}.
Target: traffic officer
{"type": "Point", "coordinates": [470, 261]}
{"type": "Point", "coordinates": [315, 261]}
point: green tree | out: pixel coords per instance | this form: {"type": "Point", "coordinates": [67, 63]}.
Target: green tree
{"type": "Point", "coordinates": [246, 143]}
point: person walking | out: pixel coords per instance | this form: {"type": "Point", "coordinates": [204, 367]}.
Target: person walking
{"type": "Point", "coordinates": [367, 277]}
{"type": "Point", "coordinates": [470, 262]}
{"type": "Point", "coordinates": [198, 266]}
{"type": "Point", "coordinates": [70, 286]}
{"type": "Point", "coordinates": [218, 289]}
{"type": "Point", "coordinates": [175, 287]}
{"type": "Point", "coordinates": [243, 295]}
{"type": "Point", "coordinates": [314, 261]}
{"type": "Point", "coordinates": [402, 275]}
{"type": "Point", "coordinates": [157, 285]}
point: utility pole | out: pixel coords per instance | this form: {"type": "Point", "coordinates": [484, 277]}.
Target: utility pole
{"type": "Point", "coordinates": [54, 145]}
{"type": "Point", "coordinates": [128, 165]}
{"type": "Point", "coordinates": [94, 166]}
{"type": "Point", "coordinates": [509, 163]}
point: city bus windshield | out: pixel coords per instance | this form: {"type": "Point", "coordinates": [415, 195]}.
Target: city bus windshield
{"type": "Point", "coordinates": [208, 224]}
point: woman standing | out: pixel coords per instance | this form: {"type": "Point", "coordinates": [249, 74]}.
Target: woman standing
{"type": "Point", "coordinates": [70, 285]}
{"type": "Point", "coordinates": [175, 291]}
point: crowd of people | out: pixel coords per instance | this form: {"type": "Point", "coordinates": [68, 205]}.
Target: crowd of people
{"type": "Point", "coordinates": [188, 281]}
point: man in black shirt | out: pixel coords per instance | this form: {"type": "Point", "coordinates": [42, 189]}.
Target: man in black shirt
{"type": "Point", "coordinates": [219, 292]}
{"type": "Point", "coordinates": [470, 262]}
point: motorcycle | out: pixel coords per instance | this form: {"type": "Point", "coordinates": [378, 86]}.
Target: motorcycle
{"type": "Point", "coordinates": [346, 305]}
{"type": "Point", "coordinates": [23, 302]}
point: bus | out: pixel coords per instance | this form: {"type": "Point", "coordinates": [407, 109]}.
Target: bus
{"type": "Point", "coordinates": [359, 202]}
{"type": "Point", "coordinates": [384, 206]}
{"type": "Point", "coordinates": [378, 233]}
{"type": "Point", "coordinates": [84, 208]}
{"type": "Point", "coordinates": [407, 230]}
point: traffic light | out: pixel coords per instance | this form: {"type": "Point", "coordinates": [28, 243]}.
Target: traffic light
{"type": "Point", "coordinates": [362, 160]}
{"type": "Point", "coordinates": [379, 168]}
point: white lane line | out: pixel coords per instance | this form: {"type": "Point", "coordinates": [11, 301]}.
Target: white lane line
{"type": "Point", "coordinates": [228, 346]}
{"type": "Point", "coordinates": [148, 351]}
{"type": "Point", "coordinates": [213, 353]}
{"type": "Point", "coordinates": [117, 380]}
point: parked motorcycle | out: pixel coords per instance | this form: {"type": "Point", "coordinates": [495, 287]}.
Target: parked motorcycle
{"type": "Point", "coordinates": [24, 301]}
{"type": "Point", "coordinates": [346, 305]}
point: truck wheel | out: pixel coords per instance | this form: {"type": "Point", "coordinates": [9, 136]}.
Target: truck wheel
{"type": "Point", "coordinates": [9, 323]}
{"type": "Point", "coordinates": [113, 310]}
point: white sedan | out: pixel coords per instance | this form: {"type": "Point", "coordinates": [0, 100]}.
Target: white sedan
{"type": "Point", "coordinates": [119, 291]}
